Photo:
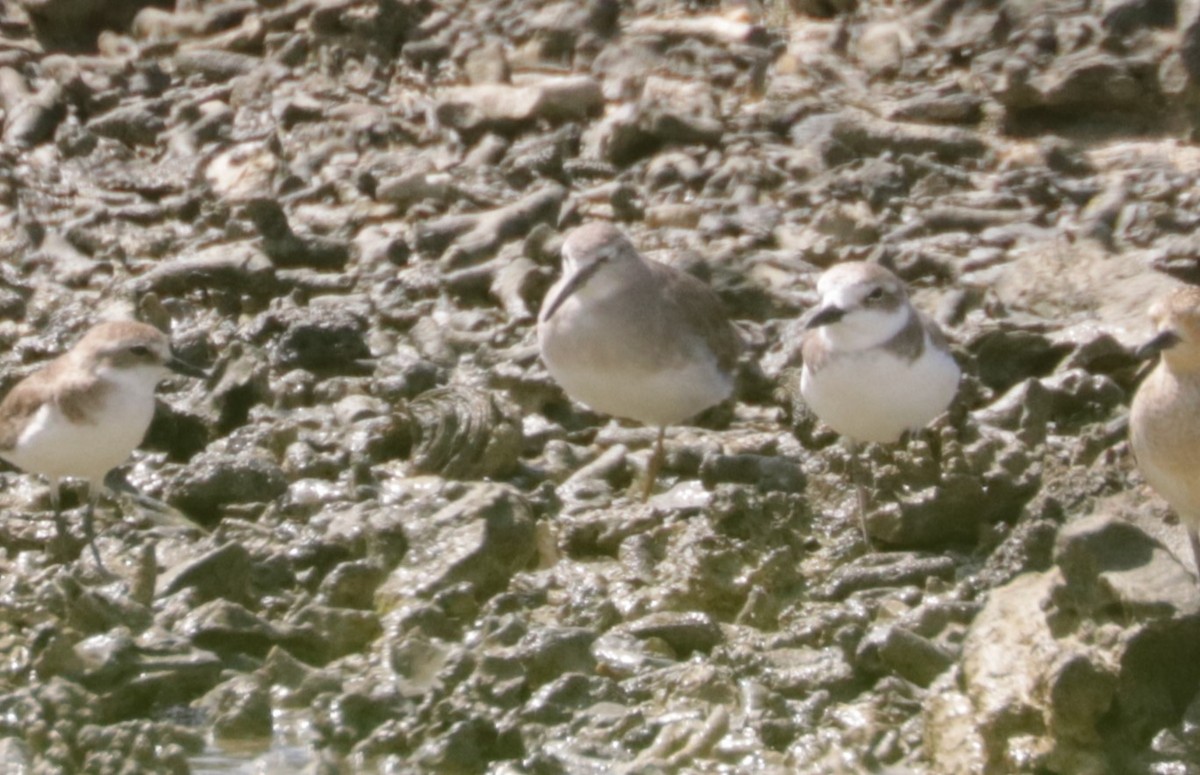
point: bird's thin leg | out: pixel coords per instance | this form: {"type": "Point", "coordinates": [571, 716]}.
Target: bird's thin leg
{"type": "Point", "coordinates": [655, 465]}
{"type": "Point", "coordinates": [89, 528]}
{"type": "Point", "coordinates": [1194, 538]}
{"type": "Point", "coordinates": [860, 489]}
{"type": "Point", "coordinates": [61, 537]}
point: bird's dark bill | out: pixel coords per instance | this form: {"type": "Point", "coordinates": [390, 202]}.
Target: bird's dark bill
{"type": "Point", "coordinates": [575, 283]}
{"type": "Point", "coordinates": [1165, 340]}
{"type": "Point", "coordinates": [825, 316]}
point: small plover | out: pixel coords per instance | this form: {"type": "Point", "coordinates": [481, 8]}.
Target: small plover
{"type": "Point", "coordinates": [635, 338]}
{"type": "Point", "coordinates": [83, 413]}
{"type": "Point", "coordinates": [1164, 421]}
{"type": "Point", "coordinates": [874, 366]}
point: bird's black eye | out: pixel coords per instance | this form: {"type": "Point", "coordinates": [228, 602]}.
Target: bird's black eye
{"type": "Point", "coordinates": [875, 295]}
{"type": "Point", "coordinates": [141, 351]}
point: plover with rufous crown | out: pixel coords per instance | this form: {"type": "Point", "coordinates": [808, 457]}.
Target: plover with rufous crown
{"type": "Point", "coordinates": [83, 413]}
{"type": "Point", "coordinates": [1164, 420]}
{"type": "Point", "coordinates": [635, 338]}
{"type": "Point", "coordinates": [874, 366]}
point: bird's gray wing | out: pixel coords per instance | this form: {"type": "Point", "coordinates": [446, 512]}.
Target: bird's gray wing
{"type": "Point", "coordinates": [702, 312]}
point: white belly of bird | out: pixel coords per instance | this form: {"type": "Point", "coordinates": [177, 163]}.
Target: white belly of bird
{"type": "Point", "coordinates": [55, 447]}
{"type": "Point", "coordinates": [621, 365]}
{"type": "Point", "coordinates": [662, 396]}
{"type": "Point", "coordinates": [877, 397]}
{"type": "Point", "coordinates": [1174, 491]}
{"type": "Point", "coordinates": [1179, 489]}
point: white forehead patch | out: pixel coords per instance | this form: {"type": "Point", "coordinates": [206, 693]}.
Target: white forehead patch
{"type": "Point", "coordinates": [115, 311]}
{"type": "Point", "coordinates": [844, 297]}
{"type": "Point", "coordinates": [842, 276]}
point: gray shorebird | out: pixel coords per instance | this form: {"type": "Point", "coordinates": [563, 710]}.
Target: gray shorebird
{"type": "Point", "coordinates": [635, 338]}
{"type": "Point", "coordinates": [1164, 421]}
{"type": "Point", "coordinates": [83, 413]}
{"type": "Point", "coordinates": [874, 366]}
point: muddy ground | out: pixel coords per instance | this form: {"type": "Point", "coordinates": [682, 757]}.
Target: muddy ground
{"type": "Point", "coordinates": [390, 543]}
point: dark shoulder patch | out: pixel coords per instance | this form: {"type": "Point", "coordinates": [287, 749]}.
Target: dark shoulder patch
{"type": "Point", "coordinates": [909, 342]}
{"type": "Point", "coordinates": [79, 399]}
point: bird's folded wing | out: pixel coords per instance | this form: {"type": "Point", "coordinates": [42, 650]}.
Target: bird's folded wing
{"type": "Point", "coordinates": [21, 403]}
{"type": "Point", "coordinates": [703, 313]}
{"type": "Point", "coordinates": [75, 398]}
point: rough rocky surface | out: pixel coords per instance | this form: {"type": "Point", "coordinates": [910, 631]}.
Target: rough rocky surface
{"type": "Point", "coordinates": [388, 542]}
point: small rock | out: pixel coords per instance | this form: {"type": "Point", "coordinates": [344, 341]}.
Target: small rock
{"type": "Point", "coordinates": [225, 267]}
{"type": "Point", "coordinates": [900, 650]}
{"type": "Point", "coordinates": [351, 585]}
{"type": "Point", "coordinates": [15, 753]}
{"type": "Point", "coordinates": [228, 628]}
{"type": "Point", "coordinates": [893, 569]}
{"type": "Point", "coordinates": [325, 341]}
{"type": "Point", "coordinates": [1108, 563]}
{"type": "Point", "coordinates": [547, 653]}
{"type": "Point", "coordinates": [214, 65]}
{"type": "Point", "coordinates": [797, 672]}
{"type": "Point", "coordinates": [472, 238]}
{"type": "Point", "coordinates": [319, 634]}
{"type": "Point", "coordinates": [285, 248]}
{"type": "Point", "coordinates": [686, 632]}
{"type": "Point", "coordinates": [482, 538]}
{"type": "Point", "coordinates": [408, 189]}
{"type": "Point", "coordinates": [496, 107]}
{"type": "Point", "coordinates": [1125, 16]}
{"type": "Point", "coordinates": [135, 124]}
{"type": "Point", "coordinates": [214, 480]}
{"type": "Point", "coordinates": [223, 572]}
{"type": "Point", "coordinates": [768, 473]}
{"type": "Point", "coordinates": [239, 708]}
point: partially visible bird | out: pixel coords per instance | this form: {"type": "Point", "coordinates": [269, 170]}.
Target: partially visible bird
{"type": "Point", "coordinates": [1164, 420]}
{"type": "Point", "coordinates": [83, 413]}
{"type": "Point", "coordinates": [635, 338]}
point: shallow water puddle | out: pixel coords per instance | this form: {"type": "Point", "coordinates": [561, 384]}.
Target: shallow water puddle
{"type": "Point", "coordinates": [285, 752]}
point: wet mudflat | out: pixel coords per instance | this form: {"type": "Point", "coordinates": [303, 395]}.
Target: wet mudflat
{"type": "Point", "coordinates": [404, 548]}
